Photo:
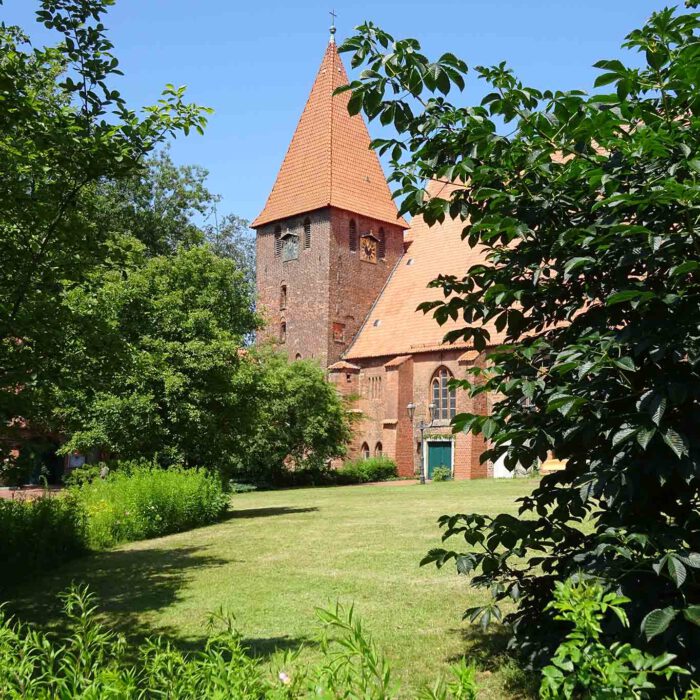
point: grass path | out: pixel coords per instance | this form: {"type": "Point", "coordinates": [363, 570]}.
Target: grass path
{"type": "Point", "coordinates": [283, 553]}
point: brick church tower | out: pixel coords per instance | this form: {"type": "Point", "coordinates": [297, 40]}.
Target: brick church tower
{"type": "Point", "coordinates": [329, 235]}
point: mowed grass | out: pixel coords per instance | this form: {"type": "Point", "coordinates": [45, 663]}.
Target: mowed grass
{"type": "Point", "coordinates": [282, 554]}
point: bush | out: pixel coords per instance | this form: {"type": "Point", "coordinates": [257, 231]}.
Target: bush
{"type": "Point", "coordinates": [442, 474]}
{"type": "Point", "coordinates": [94, 662]}
{"type": "Point", "coordinates": [301, 423]}
{"type": "Point", "coordinates": [144, 502]}
{"type": "Point", "coordinates": [363, 471]}
{"type": "Point", "coordinates": [584, 665]}
{"type": "Point", "coordinates": [39, 534]}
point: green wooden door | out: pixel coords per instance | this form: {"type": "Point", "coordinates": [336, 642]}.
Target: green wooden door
{"type": "Point", "coordinates": [439, 455]}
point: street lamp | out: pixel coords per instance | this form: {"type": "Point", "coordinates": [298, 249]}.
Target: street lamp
{"type": "Point", "coordinates": [411, 408]}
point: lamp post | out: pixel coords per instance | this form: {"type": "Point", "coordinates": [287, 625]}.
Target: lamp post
{"type": "Point", "coordinates": [411, 408]}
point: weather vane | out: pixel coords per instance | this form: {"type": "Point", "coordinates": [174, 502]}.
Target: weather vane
{"type": "Point", "coordinates": [333, 16]}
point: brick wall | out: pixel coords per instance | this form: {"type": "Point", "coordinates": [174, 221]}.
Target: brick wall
{"type": "Point", "coordinates": [354, 283]}
{"type": "Point", "coordinates": [330, 290]}
{"type": "Point", "coordinates": [385, 418]}
{"type": "Point", "coordinates": [306, 279]}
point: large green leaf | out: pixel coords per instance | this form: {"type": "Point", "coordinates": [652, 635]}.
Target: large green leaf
{"type": "Point", "coordinates": [692, 614]}
{"type": "Point", "coordinates": [657, 621]}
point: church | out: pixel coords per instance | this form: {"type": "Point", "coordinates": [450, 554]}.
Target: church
{"type": "Point", "coordinates": [339, 277]}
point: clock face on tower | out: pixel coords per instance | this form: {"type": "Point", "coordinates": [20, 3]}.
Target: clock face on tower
{"type": "Point", "coordinates": [368, 249]}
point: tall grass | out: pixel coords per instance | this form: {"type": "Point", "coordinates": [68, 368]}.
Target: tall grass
{"type": "Point", "coordinates": [134, 504]}
{"type": "Point", "coordinates": [147, 502]}
{"type": "Point", "coordinates": [92, 661]}
{"type": "Point", "coordinates": [39, 534]}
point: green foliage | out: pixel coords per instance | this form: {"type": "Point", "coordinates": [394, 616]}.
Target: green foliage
{"type": "Point", "coordinates": [64, 129]}
{"type": "Point", "coordinates": [585, 666]}
{"type": "Point", "coordinates": [156, 204]}
{"type": "Point", "coordinates": [587, 210]}
{"type": "Point", "coordinates": [442, 474]}
{"type": "Point", "coordinates": [161, 205]}
{"type": "Point", "coordinates": [84, 474]}
{"type": "Point", "coordinates": [232, 238]}
{"type": "Point", "coordinates": [461, 686]}
{"type": "Point", "coordinates": [148, 502]}
{"type": "Point", "coordinates": [152, 370]}
{"type": "Point", "coordinates": [361, 471]}
{"type": "Point", "coordinates": [355, 667]}
{"type": "Point", "coordinates": [299, 422]}
{"type": "Point", "coordinates": [40, 534]}
{"type": "Point", "coordinates": [91, 661]}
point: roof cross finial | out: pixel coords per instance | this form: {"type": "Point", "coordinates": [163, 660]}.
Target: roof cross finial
{"type": "Point", "coordinates": [333, 16]}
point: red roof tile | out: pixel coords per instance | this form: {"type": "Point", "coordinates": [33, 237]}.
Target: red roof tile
{"type": "Point", "coordinates": [329, 161]}
{"type": "Point", "coordinates": [393, 326]}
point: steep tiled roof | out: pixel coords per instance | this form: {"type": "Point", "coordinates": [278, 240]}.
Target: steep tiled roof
{"type": "Point", "coordinates": [393, 326]}
{"type": "Point", "coordinates": [329, 160]}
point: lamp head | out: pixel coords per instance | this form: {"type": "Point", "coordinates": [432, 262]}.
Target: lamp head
{"type": "Point", "coordinates": [411, 408]}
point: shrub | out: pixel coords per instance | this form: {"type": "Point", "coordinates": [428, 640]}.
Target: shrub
{"type": "Point", "coordinates": [363, 471]}
{"type": "Point", "coordinates": [585, 665]}
{"type": "Point", "coordinates": [92, 661]}
{"type": "Point", "coordinates": [238, 487]}
{"type": "Point", "coordinates": [301, 422]}
{"type": "Point", "coordinates": [145, 502]}
{"type": "Point", "coordinates": [442, 474]}
{"type": "Point", "coordinates": [39, 534]}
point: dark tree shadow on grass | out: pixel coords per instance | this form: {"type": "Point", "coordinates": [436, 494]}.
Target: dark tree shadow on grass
{"type": "Point", "coordinates": [127, 583]}
{"type": "Point", "coordinates": [130, 584]}
{"type": "Point", "coordinates": [267, 512]}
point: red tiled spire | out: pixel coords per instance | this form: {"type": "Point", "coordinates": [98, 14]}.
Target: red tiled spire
{"type": "Point", "coordinates": [329, 161]}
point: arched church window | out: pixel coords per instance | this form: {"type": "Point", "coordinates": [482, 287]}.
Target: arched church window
{"type": "Point", "coordinates": [364, 450]}
{"type": "Point", "coordinates": [307, 233]}
{"type": "Point", "coordinates": [297, 356]}
{"type": "Point", "coordinates": [381, 244]}
{"type": "Point", "coordinates": [283, 297]}
{"type": "Point", "coordinates": [278, 240]}
{"type": "Point", "coordinates": [378, 450]}
{"type": "Point", "coordinates": [444, 397]}
{"type": "Point", "coordinates": [352, 235]}
{"type": "Point", "coordinates": [283, 332]}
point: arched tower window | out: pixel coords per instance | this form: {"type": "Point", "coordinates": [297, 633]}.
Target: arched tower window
{"type": "Point", "coordinates": [444, 398]}
{"type": "Point", "coordinates": [278, 241]}
{"type": "Point", "coordinates": [283, 297]}
{"type": "Point", "coordinates": [364, 450]}
{"type": "Point", "coordinates": [352, 235]}
{"type": "Point", "coordinates": [381, 244]}
{"type": "Point", "coordinates": [283, 332]}
{"type": "Point", "coordinates": [307, 233]}
{"type": "Point", "coordinates": [297, 356]}
{"type": "Point", "coordinates": [378, 450]}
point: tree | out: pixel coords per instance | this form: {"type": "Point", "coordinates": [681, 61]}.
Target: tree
{"type": "Point", "coordinates": [63, 130]}
{"type": "Point", "coordinates": [153, 368]}
{"type": "Point", "coordinates": [166, 206]}
{"type": "Point", "coordinates": [301, 422]}
{"type": "Point", "coordinates": [232, 238]}
{"type": "Point", "coordinates": [588, 209]}
{"type": "Point", "coordinates": [159, 205]}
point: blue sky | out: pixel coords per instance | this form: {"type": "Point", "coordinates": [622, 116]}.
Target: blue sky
{"type": "Point", "coordinates": [254, 62]}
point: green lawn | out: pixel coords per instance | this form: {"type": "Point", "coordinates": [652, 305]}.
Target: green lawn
{"type": "Point", "coordinates": [283, 553]}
